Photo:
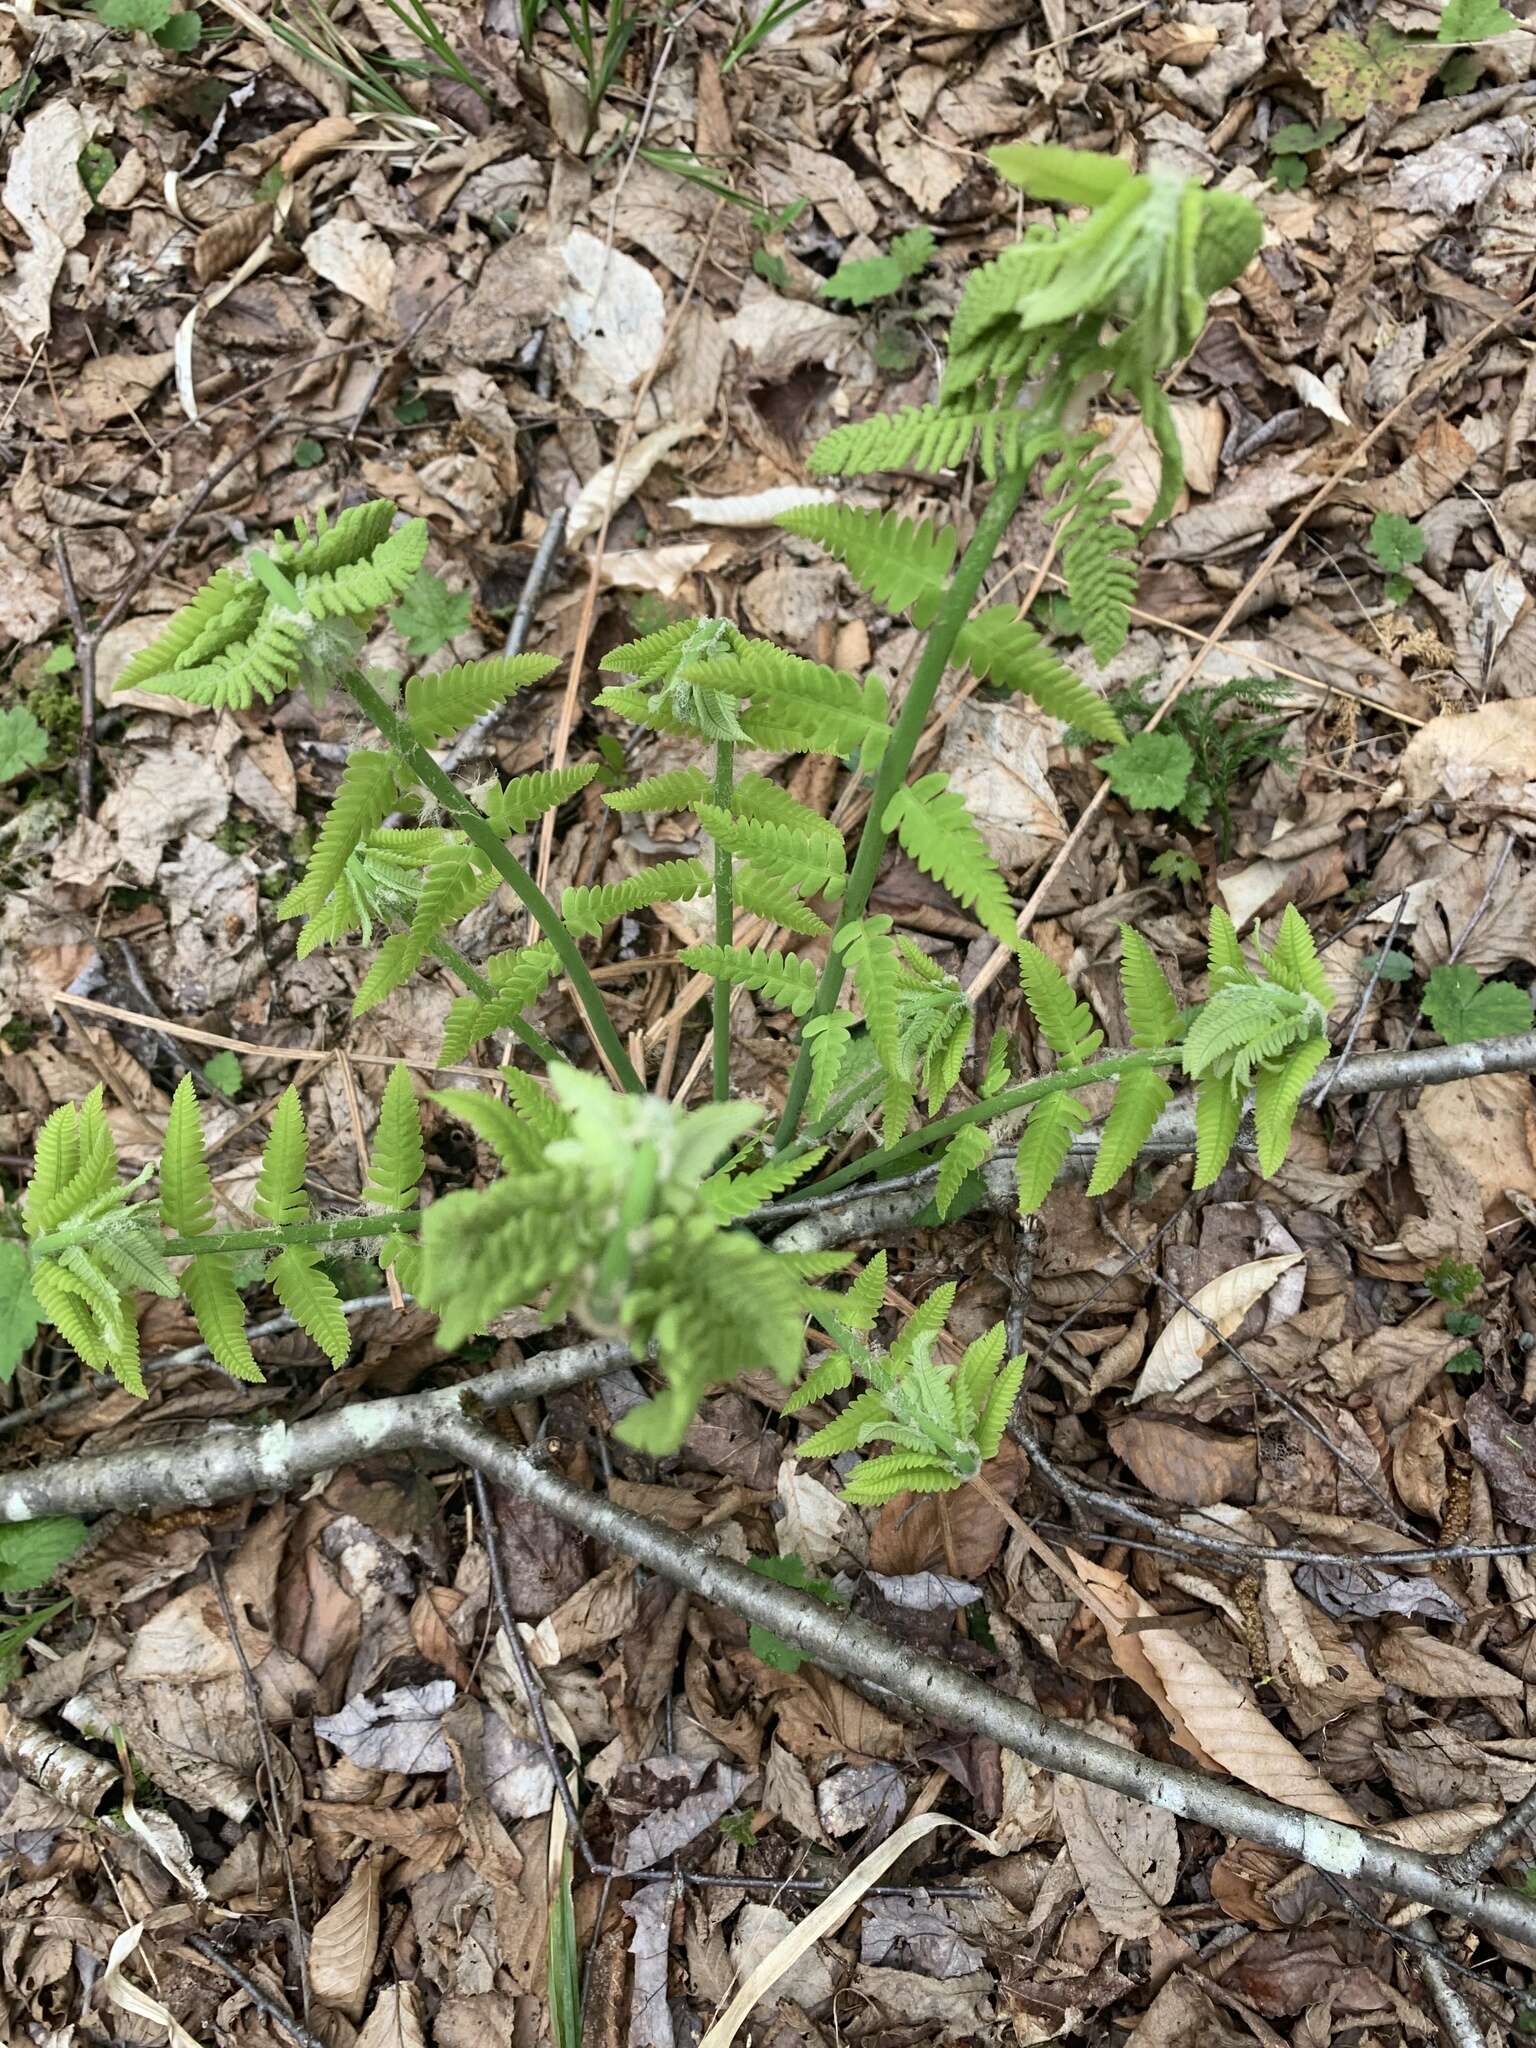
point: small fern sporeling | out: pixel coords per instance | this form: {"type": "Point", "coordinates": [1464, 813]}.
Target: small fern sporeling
{"type": "Point", "coordinates": [628, 1213]}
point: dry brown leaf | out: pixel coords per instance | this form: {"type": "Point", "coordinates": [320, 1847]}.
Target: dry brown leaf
{"type": "Point", "coordinates": [1454, 1226]}
{"type": "Point", "coordinates": [1433, 1669]}
{"type": "Point", "coordinates": [46, 197]}
{"type": "Point", "coordinates": [1125, 1853]}
{"type": "Point", "coordinates": [345, 1941]}
{"type": "Point", "coordinates": [1490, 1125]}
{"type": "Point", "coordinates": [1485, 758]}
{"type": "Point", "coordinates": [1186, 1462]}
{"type": "Point", "coordinates": [396, 2020]}
{"type": "Point", "coordinates": [1209, 1716]}
{"type": "Point", "coordinates": [1186, 1343]}
{"type": "Point", "coordinates": [353, 256]}
{"type": "Point", "coordinates": [603, 1609]}
{"type": "Point", "coordinates": [1436, 464]}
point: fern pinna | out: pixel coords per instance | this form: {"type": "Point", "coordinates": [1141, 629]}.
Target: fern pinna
{"type": "Point", "coordinates": [630, 1213]}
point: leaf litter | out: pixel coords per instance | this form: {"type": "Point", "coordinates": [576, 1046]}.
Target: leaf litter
{"type": "Point", "coordinates": [463, 305]}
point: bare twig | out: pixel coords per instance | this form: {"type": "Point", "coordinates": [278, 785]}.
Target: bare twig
{"type": "Point", "coordinates": [294, 2028]}
{"type": "Point", "coordinates": [1484, 1850]}
{"type": "Point", "coordinates": [944, 1693]}
{"type": "Point", "coordinates": [468, 744]}
{"type": "Point", "coordinates": [85, 657]}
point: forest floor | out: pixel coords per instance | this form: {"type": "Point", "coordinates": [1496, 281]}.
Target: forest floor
{"type": "Point", "coordinates": [239, 285]}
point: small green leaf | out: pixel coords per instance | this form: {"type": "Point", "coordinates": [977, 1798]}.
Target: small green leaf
{"type": "Point", "coordinates": [1452, 1280]}
{"type": "Point", "coordinates": [224, 1071]}
{"type": "Point", "coordinates": [59, 660]}
{"type": "Point", "coordinates": [1150, 772]}
{"type": "Point", "coordinates": [1288, 172]}
{"type": "Point", "coordinates": [410, 409]}
{"type": "Point", "coordinates": [1299, 138]}
{"type": "Point", "coordinates": [19, 1313]}
{"type": "Point", "coordinates": [181, 33]}
{"type": "Point", "coordinates": [1465, 1361]}
{"type": "Point", "coordinates": [1396, 542]}
{"type": "Point", "coordinates": [95, 163]}
{"type": "Point", "coordinates": [1395, 966]}
{"type": "Point", "coordinates": [1462, 1006]}
{"type": "Point", "coordinates": [772, 269]}
{"type": "Point", "coordinates": [1175, 866]}
{"type": "Point", "coordinates": [1397, 590]}
{"type": "Point", "coordinates": [879, 277]}
{"type": "Point", "coordinates": [770, 1649]}
{"type": "Point", "coordinates": [1463, 1322]}
{"type": "Point", "coordinates": [31, 1552]}
{"type": "Point", "coordinates": [430, 614]}
{"type": "Point", "coordinates": [1474, 21]}
{"type": "Point", "coordinates": [129, 15]}
{"type": "Point", "coordinates": [307, 453]}
{"type": "Point", "coordinates": [23, 743]}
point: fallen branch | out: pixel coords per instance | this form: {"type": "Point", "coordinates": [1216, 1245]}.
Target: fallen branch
{"type": "Point", "coordinates": [901, 1199]}
{"type": "Point", "coordinates": [229, 1464]}
{"type": "Point", "coordinates": [941, 1692]}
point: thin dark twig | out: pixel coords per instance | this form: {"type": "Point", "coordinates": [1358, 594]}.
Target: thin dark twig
{"type": "Point", "coordinates": [1243, 1556]}
{"type": "Point", "coordinates": [274, 1790]}
{"type": "Point", "coordinates": [1276, 1394]}
{"type": "Point", "coordinates": [263, 2003]}
{"type": "Point", "coordinates": [469, 743]}
{"type": "Point", "coordinates": [1365, 1000]}
{"type": "Point", "coordinates": [1429, 1953]}
{"type": "Point", "coordinates": [85, 657]}
{"type": "Point", "coordinates": [163, 1039]}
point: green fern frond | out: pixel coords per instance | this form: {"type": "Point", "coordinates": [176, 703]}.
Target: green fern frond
{"type": "Point", "coordinates": [807, 860]}
{"type": "Point", "coordinates": [870, 953]}
{"type": "Point", "coordinates": [1150, 1008]}
{"type": "Point", "coordinates": [1140, 1099]}
{"type": "Point", "coordinates": [944, 1054]}
{"type": "Point", "coordinates": [788, 981]}
{"type": "Point", "coordinates": [587, 910]}
{"type": "Point", "coordinates": [965, 1153]}
{"type": "Point", "coordinates": [1097, 551]}
{"type": "Point", "coordinates": [1000, 648]}
{"type": "Point", "coordinates": [209, 1285]}
{"type": "Point", "coordinates": [519, 978]}
{"type": "Point", "coordinates": [280, 1197]}
{"type": "Point", "coordinates": [656, 657]}
{"type": "Point", "coordinates": [74, 1165]}
{"type": "Point", "coordinates": [938, 832]}
{"type": "Point", "coordinates": [975, 1374]}
{"type": "Point", "coordinates": [1293, 960]}
{"type": "Point", "coordinates": [878, 1480]}
{"type": "Point", "coordinates": [1218, 1113]}
{"type": "Point", "coordinates": [679, 790]}
{"type": "Point", "coordinates": [106, 1343]}
{"type": "Point", "coordinates": [768, 896]}
{"type": "Point", "coordinates": [755, 796]}
{"type": "Point", "coordinates": [1066, 1025]}
{"type": "Point", "coordinates": [733, 1196]}
{"type": "Point", "coordinates": [308, 1293]}
{"type": "Point", "coordinates": [999, 1066]}
{"type": "Point", "coordinates": [802, 707]}
{"type": "Point", "coordinates": [1043, 1147]}
{"type": "Point", "coordinates": [397, 1158]}
{"type": "Point", "coordinates": [830, 1377]}
{"type": "Point", "coordinates": [925, 1324]}
{"type": "Point", "coordinates": [332, 544]}
{"type": "Point", "coordinates": [933, 437]}
{"type": "Point", "coordinates": [226, 608]}
{"type": "Point", "coordinates": [186, 1190]}
{"type": "Point", "coordinates": [512, 806]}
{"type": "Point", "coordinates": [1001, 1401]}
{"type": "Point", "coordinates": [903, 564]}
{"type": "Point", "coordinates": [535, 1105]}
{"type": "Point", "coordinates": [1224, 953]}
{"type": "Point", "coordinates": [864, 1417]}
{"type": "Point", "coordinates": [1277, 1092]}
{"type": "Point", "coordinates": [365, 796]}
{"type": "Point", "coordinates": [356, 589]}
{"type": "Point", "coordinates": [860, 1307]}
{"type": "Point", "coordinates": [516, 1142]}
{"type": "Point", "coordinates": [441, 704]}
{"type": "Point", "coordinates": [828, 1040]}
{"type": "Point", "coordinates": [633, 703]}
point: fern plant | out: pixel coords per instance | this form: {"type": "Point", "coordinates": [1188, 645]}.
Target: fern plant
{"type": "Point", "coordinates": [942, 1422]}
{"type": "Point", "coordinates": [618, 1209]}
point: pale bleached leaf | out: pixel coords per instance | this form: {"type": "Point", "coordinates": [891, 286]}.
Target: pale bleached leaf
{"type": "Point", "coordinates": [1186, 1343]}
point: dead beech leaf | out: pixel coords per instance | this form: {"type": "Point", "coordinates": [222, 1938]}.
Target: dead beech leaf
{"type": "Point", "coordinates": [1488, 1123]}
{"type": "Point", "coordinates": [604, 1608]}
{"type": "Point", "coordinates": [344, 1943]}
{"type": "Point", "coordinates": [610, 488]}
{"type": "Point", "coordinates": [1126, 1854]}
{"type": "Point", "coordinates": [1185, 1462]}
{"type": "Point", "coordinates": [670, 1801]}
{"type": "Point", "coordinates": [1486, 757]}
{"type": "Point", "coordinates": [960, 1534]}
{"type": "Point", "coordinates": [1436, 464]}
{"type": "Point", "coordinates": [46, 197]}
{"type": "Point", "coordinates": [1454, 1226]}
{"type": "Point", "coordinates": [395, 2021]}
{"type": "Point", "coordinates": [353, 256]}
{"type": "Point", "coordinates": [1506, 1450]}
{"type": "Point", "coordinates": [400, 1731]}
{"type": "Point", "coordinates": [1186, 1343]}
{"type": "Point", "coordinates": [1209, 1716]}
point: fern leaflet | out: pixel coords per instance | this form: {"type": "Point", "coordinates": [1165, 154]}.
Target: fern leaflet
{"type": "Point", "coordinates": [1218, 1113]}
{"type": "Point", "coordinates": [1043, 1147]}
{"type": "Point", "coordinates": [1065, 1024]}
{"type": "Point", "coordinates": [678, 790]}
{"type": "Point", "coordinates": [1140, 1099]}
{"type": "Point", "coordinates": [871, 953]}
{"type": "Point", "coordinates": [519, 979]}
{"type": "Point", "coordinates": [1002, 649]}
{"type": "Point", "coordinates": [784, 978]}
{"type": "Point", "coordinates": [441, 704]}
{"type": "Point", "coordinates": [512, 806]}
{"type": "Point", "coordinates": [936, 829]}
{"type": "Point", "coordinates": [966, 1151]}
{"type": "Point", "coordinates": [904, 564]}
{"type": "Point", "coordinates": [1150, 1009]}
{"type": "Point", "coordinates": [586, 911]}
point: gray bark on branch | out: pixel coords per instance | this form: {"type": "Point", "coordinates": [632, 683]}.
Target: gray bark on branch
{"type": "Point", "coordinates": [864, 1212]}
{"type": "Point", "coordinates": [943, 1693]}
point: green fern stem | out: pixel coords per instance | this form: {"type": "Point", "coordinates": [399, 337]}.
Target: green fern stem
{"type": "Point", "coordinates": [897, 759]}
{"type": "Point", "coordinates": [331, 1230]}
{"type": "Point", "coordinates": [720, 998]}
{"type": "Point", "coordinates": [508, 866]}
{"type": "Point", "coordinates": [1063, 1081]}
{"type": "Point", "coordinates": [477, 985]}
